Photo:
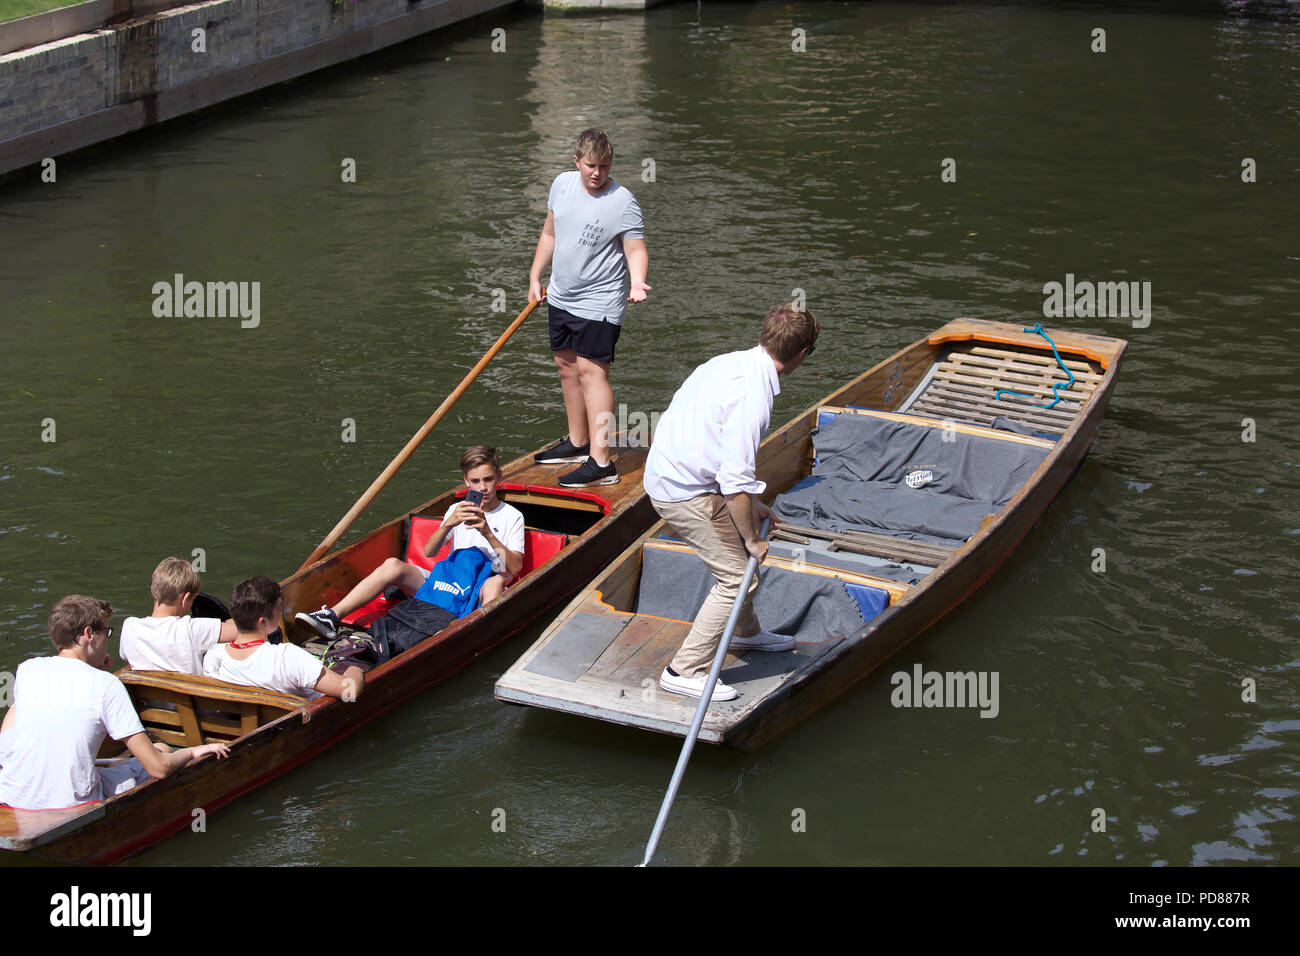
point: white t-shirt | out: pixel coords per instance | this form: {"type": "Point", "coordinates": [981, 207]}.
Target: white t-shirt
{"type": "Point", "coordinates": [506, 522]}
{"type": "Point", "coordinates": [283, 667]}
{"type": "Point", "coordinates": [168, 643]}
{"type": "Point", "coordinates": [707, 440]}
{"type": "Point", "coordinates": [64, 707]}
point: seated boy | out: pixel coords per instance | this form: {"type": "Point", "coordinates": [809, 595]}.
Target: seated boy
{"type": "Point", "coordinates": [169, 639]}
{"type": "Point", "coordinates": [256, 606]}
{"type": "Point", "coordinates": [63, 708]}
{"type": "Point", "coordinates": [494, 528]}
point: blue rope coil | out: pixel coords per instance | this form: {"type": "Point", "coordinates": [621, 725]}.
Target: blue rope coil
{"type": "Point", "coordinates": [1038, 327]}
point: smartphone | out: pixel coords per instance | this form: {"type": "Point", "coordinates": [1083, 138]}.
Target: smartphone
{"type": "Point", "coordinates": [474, 497]}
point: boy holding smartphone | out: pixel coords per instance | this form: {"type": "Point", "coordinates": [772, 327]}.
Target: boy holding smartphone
{"type": "Point", "coordinates": [480, 521]}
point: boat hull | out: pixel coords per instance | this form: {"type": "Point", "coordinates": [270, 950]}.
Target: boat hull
{"type": "Point", "coordinates": [915, 374]}
{"type": "Point", "coordinates": [114, 829]}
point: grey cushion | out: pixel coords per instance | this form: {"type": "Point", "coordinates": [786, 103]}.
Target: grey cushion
{"type": "Point", "coordinates": [905, 480]}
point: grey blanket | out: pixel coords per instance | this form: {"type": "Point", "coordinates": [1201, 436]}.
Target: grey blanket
{"type": "Point", "coordinates": [674, 584]}
{"type": "Point", "coordinates": [905, 480]}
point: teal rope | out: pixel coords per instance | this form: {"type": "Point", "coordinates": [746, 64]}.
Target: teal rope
{"type": "Point", "coordinates": [1038, 327]}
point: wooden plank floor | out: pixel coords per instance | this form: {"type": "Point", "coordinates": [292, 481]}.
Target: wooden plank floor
{"type": "Point", "coordinates": [622, 684]}
{"type": "Point", "coordinates": [630, 463]}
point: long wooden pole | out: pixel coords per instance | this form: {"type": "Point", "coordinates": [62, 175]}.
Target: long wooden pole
{"type": "Point", "coordinates": [378, 484]}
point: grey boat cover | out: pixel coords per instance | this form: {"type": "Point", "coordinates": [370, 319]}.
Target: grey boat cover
{"type": "Point", "coordinates": [674, 585]}
{"type": "Point", "coordinates": [896, 478]}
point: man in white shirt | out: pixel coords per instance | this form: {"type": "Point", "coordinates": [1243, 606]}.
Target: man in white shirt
{"type": "Point", "coordinates": [63, 708]}
{"type": "Point", "coordinates": [169, 639]}
{"type": "Point", "coordinates": [700, 475]}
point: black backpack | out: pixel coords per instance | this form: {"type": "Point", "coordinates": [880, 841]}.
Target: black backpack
{"type": "Point", "coordinates": [408, 624]}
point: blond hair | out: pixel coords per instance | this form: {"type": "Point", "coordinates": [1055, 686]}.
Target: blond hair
{"type": "Point", "coordinates": [788, 330]}
{"type": "Point", "coordinates": [173, 578]}
{"type": "Point", "coordinates": [594, 143]}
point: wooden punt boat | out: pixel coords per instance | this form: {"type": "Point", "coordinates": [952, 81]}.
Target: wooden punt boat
{"type": "Point", "coordinates": [572, 533]}
{"type": "Point", "coordinates": [602, 657]}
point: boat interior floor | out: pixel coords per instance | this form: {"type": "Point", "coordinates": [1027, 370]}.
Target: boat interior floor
{"type": "Point", "coordinates": [612, 656]}
{"type": "Point", "coordinates": [611, 661]}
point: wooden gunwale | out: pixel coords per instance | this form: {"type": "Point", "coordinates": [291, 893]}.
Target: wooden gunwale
{"type": "Point", "coordinates": [114, 829]}
{"type": "Point", "coordinates": [915, 607]}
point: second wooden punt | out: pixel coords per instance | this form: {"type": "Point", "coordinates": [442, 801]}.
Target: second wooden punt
{"type": "Point", "coordinates": [602, 657]}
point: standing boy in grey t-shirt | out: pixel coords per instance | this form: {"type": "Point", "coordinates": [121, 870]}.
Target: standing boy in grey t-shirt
{"type": "Point", "coordinates": [594, 238]}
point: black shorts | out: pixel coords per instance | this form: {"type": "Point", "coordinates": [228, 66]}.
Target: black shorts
{"type": "Point", "coordinates": [591, 338]}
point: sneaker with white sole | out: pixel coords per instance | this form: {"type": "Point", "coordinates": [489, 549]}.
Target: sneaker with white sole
{"type": "Point", "coordinates": [324, 622]}
{"type": "Point", "coordinates": [563, 453]}
{"type": "Point", "coordinates": [590, 473]}
{"type": "Point", "coordinates": [762, 641]}
{"type": "Point", "coordinates": [694, 686]}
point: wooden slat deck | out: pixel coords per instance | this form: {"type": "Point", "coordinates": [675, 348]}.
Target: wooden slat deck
{"type": "Point", "coordinates": [965, 386]}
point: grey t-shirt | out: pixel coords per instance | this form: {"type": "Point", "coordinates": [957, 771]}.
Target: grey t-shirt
{"type": "Point", "coordinates": [588, 269]}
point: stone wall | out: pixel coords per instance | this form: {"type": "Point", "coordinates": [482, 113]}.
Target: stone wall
{"type": "Point", "coordinates": [74, 92]}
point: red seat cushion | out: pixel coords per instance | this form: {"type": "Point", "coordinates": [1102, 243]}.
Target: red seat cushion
{"type": "Point", "coordinates": [539, 547]}
{"type": "Point", "coordinates": [422, 530]}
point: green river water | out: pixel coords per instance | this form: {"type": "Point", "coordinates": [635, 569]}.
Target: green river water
{"type": "Point", "coordinates": [773, 170]}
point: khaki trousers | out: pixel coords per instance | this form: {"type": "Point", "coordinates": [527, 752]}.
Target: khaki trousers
{"type": "Point", "coordinates": [705, 524]}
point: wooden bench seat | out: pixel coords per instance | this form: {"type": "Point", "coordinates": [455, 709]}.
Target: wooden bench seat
{"type": "Point", "coordinates": [186, 710]}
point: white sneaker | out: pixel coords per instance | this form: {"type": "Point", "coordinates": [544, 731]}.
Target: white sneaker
{"type": "Point", "coordinates": [762, 641]}
{"type": "Point", "coordinates": [694, 686]}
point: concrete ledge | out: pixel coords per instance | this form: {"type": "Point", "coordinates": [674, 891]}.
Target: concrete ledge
{"type": "Point", "coordinates": [116, 80]}
{"type": "Point", "coordinates": [69, 21]}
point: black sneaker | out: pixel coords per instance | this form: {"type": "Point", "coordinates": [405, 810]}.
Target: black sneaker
{"type": "Point", "coordinates": [566, 451]}
{"type": "Point", "coordinates": [590, 473]}
{"type": "Point", "coordinates": [324, 622]}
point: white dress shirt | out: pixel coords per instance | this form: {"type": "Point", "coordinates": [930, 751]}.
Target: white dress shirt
{"type": "Point", "coordinates": [707, 440]}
